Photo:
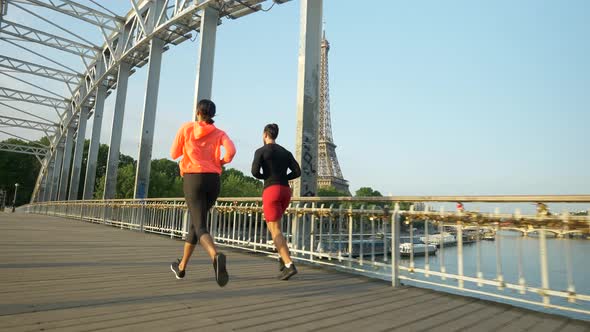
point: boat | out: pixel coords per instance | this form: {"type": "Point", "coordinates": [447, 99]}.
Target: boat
{"type": "Point", "coordinates": [489, 236]}
{"type": "Point", "coordinates": [419, 248]}
{"type": "Point", "coordinates": [436, 239]}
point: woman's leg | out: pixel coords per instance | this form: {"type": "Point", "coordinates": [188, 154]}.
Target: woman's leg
{"type": "Point", "coordinates": [187, 253]}
{"type": "Point", "coordinates": [212, 185]}
{"type": "Point", "coordinates": [192, 191]}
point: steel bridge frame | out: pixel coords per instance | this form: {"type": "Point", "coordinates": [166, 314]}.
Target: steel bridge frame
{"type": "Point", "coordinates": [149, 28]}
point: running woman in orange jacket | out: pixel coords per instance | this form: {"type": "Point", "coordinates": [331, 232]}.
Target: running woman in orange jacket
{"type": "Point", "coordinates": [199, 143]}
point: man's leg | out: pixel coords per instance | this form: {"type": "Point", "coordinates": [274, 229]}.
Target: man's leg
{"type": "Point", "coordinates": [279, 241]}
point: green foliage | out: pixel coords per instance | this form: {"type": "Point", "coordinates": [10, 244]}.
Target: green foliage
{"type": "Point", "coordinates": [235, 184]}
{"type": "Point", "coordinates": [330, 192]}
{"type": "Point", "coordinates": [367, 192]}
{"type": "Point", "coordinates": [19, 168]}
{"type": "Point", "coordinates": [165, 180]}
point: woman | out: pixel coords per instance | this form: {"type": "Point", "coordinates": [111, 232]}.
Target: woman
{"type": "Point", "coordinates": [275, 161]}
{"type": "Point", "coordinates": [199, 143]}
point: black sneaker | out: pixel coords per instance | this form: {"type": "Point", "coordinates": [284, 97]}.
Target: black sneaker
{"type": "Point", "coordinates": [221, 275]}
{"type": "Point", "coordinates": [281, 264]}
{"type": "Point", "coordinates": [177, 272]}
{"type": "Point", "coordinates": [288, 272]}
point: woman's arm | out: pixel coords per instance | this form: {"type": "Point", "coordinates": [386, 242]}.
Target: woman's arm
{"type": "Point", "coordinates": [230, 149]}
{"type": "Point", "coordinates": [178, 144]}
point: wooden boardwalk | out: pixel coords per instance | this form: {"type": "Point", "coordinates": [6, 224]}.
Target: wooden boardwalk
{"type": "Point", "coordinates": [67, 275]}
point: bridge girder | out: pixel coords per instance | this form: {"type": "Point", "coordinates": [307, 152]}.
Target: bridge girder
{"type": "Point", "coordinates": [25, 149]}
{"type": "Point", "coordinates": [125, 39]}
{"type": "Point", "coordinates": [95, 17]}
{"type": "Point", "coordinates": [28, 124]}
{"type": "Point", "coordinates": [42, 71]}
{"type": "Point", "coordinates": [26, 33]}
{"type": "Point", "coordinates": [34, 98]}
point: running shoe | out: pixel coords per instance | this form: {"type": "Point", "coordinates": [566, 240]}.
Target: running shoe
{"type": "Point", "coordinates": [177, 272]}
{"type": "Point", "coordinates": [288, 272]}
{"type": "Point", "coordinates": [221, 275]}
{"type": "Point", "coordinates": [281, 264]}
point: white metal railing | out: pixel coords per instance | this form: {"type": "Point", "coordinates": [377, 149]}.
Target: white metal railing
{"type": "Point", "coordinates": [345, 234]}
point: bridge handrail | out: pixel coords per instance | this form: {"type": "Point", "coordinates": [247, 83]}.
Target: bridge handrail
{"type": "Point", "coordinates": [344, 233]}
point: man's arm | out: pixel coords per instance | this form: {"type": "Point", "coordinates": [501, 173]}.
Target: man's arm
{"type": "Point", "coordinates": [256, 165]}
{"type": "Point", "coordinates": [294, 167]}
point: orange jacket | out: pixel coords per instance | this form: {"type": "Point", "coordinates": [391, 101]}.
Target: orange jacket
{"type": "Point", "coordinates": [200, 144]}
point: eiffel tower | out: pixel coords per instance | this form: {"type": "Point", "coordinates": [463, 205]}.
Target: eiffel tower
{"type": "Point", "coordinates": [329, 173]}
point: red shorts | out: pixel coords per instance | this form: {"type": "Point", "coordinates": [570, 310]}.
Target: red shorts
{"type": "Point", "coordinates": [275, 200]}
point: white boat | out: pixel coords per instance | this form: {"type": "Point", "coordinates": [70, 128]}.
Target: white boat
{"type": "Point", "coordinates": [437, 239]}
{"type": "Point", "coordinates": [419, 248]}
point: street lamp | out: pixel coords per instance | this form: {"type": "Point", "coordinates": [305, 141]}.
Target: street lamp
{"type": "Point", "coordinates": [14, 199]}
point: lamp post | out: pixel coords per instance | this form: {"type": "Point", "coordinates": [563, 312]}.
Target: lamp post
{"type": "Point", "coordinates": [14, 199]}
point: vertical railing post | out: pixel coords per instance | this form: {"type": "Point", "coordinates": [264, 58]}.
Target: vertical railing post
{"type": "Point", "coordinates": [478, 257]}
{"type": "Point", "coordinates": [441, 243]}
{"type": "Point", "coordinates": [571, 288]}
{"type": "Point", "coordinates": [544, 266]}
{"type": "Point", "coordinates": [294, 229]}
{"type": "Point", "coordinates": [312, 231]}
{"type": "Point", "coordinates": [361, 238]}
{"type": "Point", "coordinates": [460, 253]}
{"type": "Point", "coordinates": [350, 224]}
{"type": "Point", "coordinates": [426, 253]}
{"type": "Point", "coordinates": [395, 254]}
{"type": "Point", "coordinates": [499, 276]}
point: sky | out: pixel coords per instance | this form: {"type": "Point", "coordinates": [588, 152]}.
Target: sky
{"type": "Point", "coordinates": [427, 97]}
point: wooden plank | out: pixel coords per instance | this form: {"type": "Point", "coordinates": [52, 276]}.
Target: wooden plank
{"type": "Point", "coordinates": [434, 321]}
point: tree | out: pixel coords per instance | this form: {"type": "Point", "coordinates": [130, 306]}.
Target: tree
{"type": "Point", "coordinates": [19, 168]}
{"type": "Point", "coordinates": [165, 179]}
{"type": "Point", "coordinates": [235, 184]}
{"type": "Point", "coordinates": [367, 192]}
{"type": "Point", "coordinates": [330, 192]}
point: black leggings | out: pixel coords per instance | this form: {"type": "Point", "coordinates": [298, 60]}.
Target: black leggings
{"type": "Point", "coordinates": [200, 192]}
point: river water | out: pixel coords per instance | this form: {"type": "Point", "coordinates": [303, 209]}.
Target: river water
{"type": "Point", "coordinates": [515, 248]}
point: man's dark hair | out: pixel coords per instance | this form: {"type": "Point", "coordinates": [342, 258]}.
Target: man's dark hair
{"type": "Point", "coordinates": [207, 109]}
{"type": "Point", "coordinates": [272, 130]}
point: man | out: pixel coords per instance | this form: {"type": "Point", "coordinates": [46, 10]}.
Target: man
{"type": "Point", "coordinates": [275, 161]}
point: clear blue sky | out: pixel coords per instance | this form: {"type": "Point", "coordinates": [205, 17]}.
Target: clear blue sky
{"type": "Point", "coordinates": [428, 97]}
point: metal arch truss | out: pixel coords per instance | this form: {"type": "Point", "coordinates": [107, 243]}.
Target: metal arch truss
{"type": "Point", "coordinates": [32, 150]}
{"type": "Point", "coordinates": [28, 124]}
{"type": "Point", "coordinates": [106, 21]}
{"type": "Point", "coordinates": [124, 40]}
{"type": "Point", "coordinates": [35, 69]}
{"type": "Point", "coordinates": [37, 36]}
{"type": "Point", "coordinates": [33, 98]}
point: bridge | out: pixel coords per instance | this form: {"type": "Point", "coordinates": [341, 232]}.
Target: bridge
{"type": "Point", "coordinates": [72, 275]}
{"type": "Point", "coordinates": [70, 264]}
